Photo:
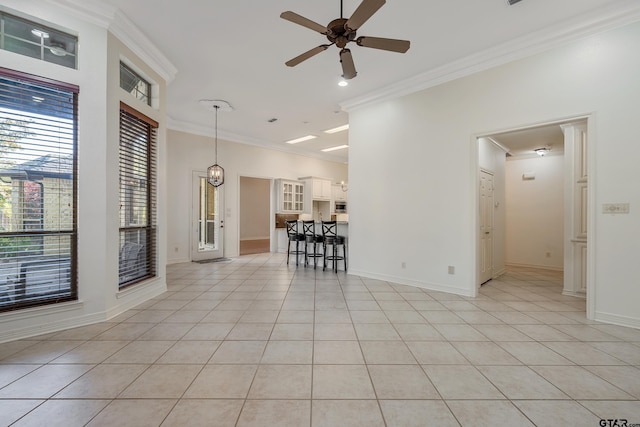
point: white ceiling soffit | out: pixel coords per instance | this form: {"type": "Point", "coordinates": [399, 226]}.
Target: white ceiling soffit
{"type": "Point", "coordinates": [612, 16]}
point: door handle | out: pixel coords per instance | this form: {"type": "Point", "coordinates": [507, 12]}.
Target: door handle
{"type": "Point", "coordinates": [487, 232]}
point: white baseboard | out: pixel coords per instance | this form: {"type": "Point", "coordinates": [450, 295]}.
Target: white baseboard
{"type": "Point", "coordinates": [40, 320]}
{"type": "Point", "coordinates": [574, 294]}
{"type": "Point", "coordinates": [411, 282]}
{"type": "Point", "coordinates": [499, 273]}
{"type": "Point", "coordinates": [615, 319]}
{"type": "Point", "coordinates": [177, 260]}
{"type": "Point", "coordinates": [540, 267]}
{"type": "Point", "coordinates": [51, 326]}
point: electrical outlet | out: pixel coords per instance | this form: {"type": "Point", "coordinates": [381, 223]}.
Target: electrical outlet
{"type": "Point", "coordinates": [175, 249]}
{"type": "Point", "coordinates": [404, 264]}
{"type": "Point", "coordinates": [548, 254]}
{"type": "Point", "coordinates": [452, 269]}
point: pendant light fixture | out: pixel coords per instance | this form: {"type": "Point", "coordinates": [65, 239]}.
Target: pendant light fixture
{"type": "Point", "coordinates": [215, 173]}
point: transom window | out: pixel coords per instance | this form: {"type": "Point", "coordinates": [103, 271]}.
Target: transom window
{"type": "Point", "coordinates": [133, 83]}
{"type": "Point", "coordinates": [38, 41]}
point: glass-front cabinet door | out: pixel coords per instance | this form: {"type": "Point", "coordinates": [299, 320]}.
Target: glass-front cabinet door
{"type": "Point", "coordinates": [298, 190]}
{"type": "Point", "coordinates": [290, 196]}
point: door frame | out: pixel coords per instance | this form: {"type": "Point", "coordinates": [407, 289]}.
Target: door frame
{"type": "Point", "coordinates": [591, 195]}
{"type": "Point", "coordinates": [194, 255]}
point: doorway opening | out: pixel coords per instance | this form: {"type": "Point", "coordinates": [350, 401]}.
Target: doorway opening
{"type": "Point", "coordinates": [539, 215]}
{"type": "Point", "coordinates": [255, 208]}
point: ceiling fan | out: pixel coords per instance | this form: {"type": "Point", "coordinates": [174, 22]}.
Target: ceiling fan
{"type": "Point", "coordinates": [341, 31]}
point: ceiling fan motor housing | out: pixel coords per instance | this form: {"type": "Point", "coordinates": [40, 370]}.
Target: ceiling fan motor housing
{"type": "Point", "coordinates": [338, 33]}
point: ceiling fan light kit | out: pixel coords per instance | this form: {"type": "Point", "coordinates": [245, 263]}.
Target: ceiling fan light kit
{"type": "Point", "coordinates": [342, 31]}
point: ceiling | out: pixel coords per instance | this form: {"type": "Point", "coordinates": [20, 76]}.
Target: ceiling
{"type": "Point", "coordinates": [236, 50]}
{"type": "Point", "coordinates": [523, 142]}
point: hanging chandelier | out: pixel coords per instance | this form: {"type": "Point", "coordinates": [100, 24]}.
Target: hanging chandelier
{"type": "Point", "coordinates": [215, 173]}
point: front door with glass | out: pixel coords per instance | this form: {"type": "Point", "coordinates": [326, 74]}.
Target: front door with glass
{"type": "Point", "coordinates": [207, 219]}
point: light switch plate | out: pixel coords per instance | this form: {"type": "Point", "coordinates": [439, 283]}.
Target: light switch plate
{"type": "Point", "coordinates": [615, 208]}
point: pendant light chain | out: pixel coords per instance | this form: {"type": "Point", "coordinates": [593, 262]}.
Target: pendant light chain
{"type": "Point", "coordinates": [215, 172]}
{"type": "Point", "coordinates": [215, 158]}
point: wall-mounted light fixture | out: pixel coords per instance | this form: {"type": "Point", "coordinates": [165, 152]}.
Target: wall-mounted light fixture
{"type": "Point", "coordinates": [344, 186]}
{"type": "Point", "coordinates": [542, 151]}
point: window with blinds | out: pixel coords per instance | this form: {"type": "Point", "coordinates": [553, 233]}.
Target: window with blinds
{"type": "Point", "coordinates": [137, 196]}
{"type": "Point", "coordinates": [38, 182]}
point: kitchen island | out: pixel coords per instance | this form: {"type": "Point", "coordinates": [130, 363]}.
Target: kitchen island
{"type": "Point", "coordinates": [282, 240]}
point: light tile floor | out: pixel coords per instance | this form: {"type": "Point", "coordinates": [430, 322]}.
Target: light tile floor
{"type": "Point", "coordinates": [256, 342]}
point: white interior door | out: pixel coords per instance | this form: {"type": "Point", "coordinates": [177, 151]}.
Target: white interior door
{"type": "Point", "coordinates": [207, 224]}
{"type": "Point", "coordinates": [486, 227]}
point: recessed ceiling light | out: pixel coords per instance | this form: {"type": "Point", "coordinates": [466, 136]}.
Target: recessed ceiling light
{"type": "Point", "coordinates": [339, 147]}
{"type": "Point", "coordinates": [343, 83]}
{"type": "Point", "coordinates": [304, 138]}
{"type": "Point", "coordinates": [39, 33]}
{"type": "Point", "coordinates": [337, 129]}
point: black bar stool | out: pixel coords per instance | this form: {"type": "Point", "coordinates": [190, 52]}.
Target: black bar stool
{"type": "Point", "coordinates": [294, 237]}
{"type": "Point", "coordinates": [330, 237]}
{"type": "Point", "coordinates": [311, 238]}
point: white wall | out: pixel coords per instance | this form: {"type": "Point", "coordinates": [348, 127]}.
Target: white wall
{"type": "Point", "coordinates": [189, 152]}
{"type": "Point", "coordinates": [98, 79]}
{"type": "Point", "coordinates": [491, 158]}
{"type": "Point", "coordinates": [422, 208]}
{"type": "Point", "coordinates": [535, 212]}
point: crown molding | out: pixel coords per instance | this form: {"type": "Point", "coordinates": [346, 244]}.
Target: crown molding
{"type": "Point", "coordinates": [125, 30]}
{"type": "Point", "coordinates": [497, 144]}
{"type": "Point", "coordinates": [613, 16]}
{"type": "Point", "coordinates": [207, 131]}
{"type": "Point", "coordinates": [94, 12]}
{"type": "Point", "coordinates": [110, 18]}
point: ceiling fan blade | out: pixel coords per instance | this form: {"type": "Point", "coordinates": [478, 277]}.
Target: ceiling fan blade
{"type": "Point", "coordinates": [308, 54]}
{"type": "Point", "coordinates": [348, 67]}
{"type": "Point", "coordinates": [362, 14]}
{"type": "Point", "coordinates": [301, 20]}
{"type": "Point", "coordinates": [394, 45]}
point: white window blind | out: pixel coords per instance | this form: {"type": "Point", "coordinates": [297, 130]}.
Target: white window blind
{"type": "Point", "coordinates": [38, 181]}
{"type": "Point", "coordinates": [137, 197]}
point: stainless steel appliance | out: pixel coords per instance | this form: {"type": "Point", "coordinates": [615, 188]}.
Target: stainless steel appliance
{"type": "Point", "coordinates": [340, 206]}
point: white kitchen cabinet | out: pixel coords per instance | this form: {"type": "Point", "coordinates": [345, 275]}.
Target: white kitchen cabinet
{"type": "Point", "coordinates": [338, 194]}
{"type": "Point", "coordinates": [317, 198]}
{"type": "Point", "coordinates": [319, 188]}
{"type": "Point", "coordinates": [290, 196]}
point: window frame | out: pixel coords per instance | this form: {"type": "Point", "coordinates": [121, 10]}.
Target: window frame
{"type": "Point", "coordinates": [135, 91]}
{"type": "Point", "coordinates": [48, 265]}
{"type": "Point", "coordinates": [49, 29]}
{"type": "Point", "coordinates": [150, 228]}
